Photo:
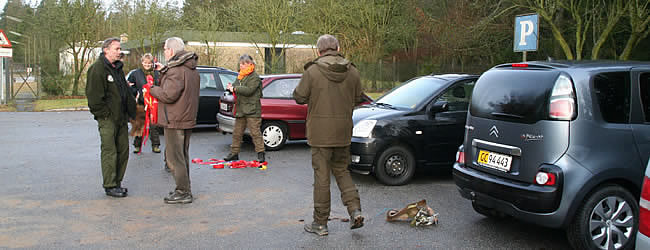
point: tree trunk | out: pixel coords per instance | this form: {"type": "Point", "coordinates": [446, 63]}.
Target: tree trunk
{"type": "Point", "coordinates": [75, 86]}
{"type": "Point", "coordinates": [631, 43]}
{"type": "Point", "coordinates": [603, 38]}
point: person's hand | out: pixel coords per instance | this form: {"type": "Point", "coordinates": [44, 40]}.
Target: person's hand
{"type": "Point", "coordinates": [131, 84]}
{"type": "Point", "coordinates": [230, 88]}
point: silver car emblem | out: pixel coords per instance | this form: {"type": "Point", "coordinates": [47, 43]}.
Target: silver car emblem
{"type": "Point", "coordinates": [494, 131]}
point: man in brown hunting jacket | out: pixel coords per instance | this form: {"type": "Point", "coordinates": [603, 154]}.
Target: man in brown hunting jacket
{"type": "Point", "coordinates": [331, 87]}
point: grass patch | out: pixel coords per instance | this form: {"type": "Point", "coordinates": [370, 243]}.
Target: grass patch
{"type": "Point", "coordinates": [43, 105]}
{"type": "Point", "coordinates": [11, 107]}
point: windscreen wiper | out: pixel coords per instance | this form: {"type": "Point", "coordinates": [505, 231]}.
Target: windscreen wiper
{"type": "Point", "coordinates": [386, 105]}
{"type": "Point", "coordinates": [507, 115]}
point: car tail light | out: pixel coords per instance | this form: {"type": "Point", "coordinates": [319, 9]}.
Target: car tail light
{"type": "Point", "coordinates": [545, 178]}
{"type": "Point", "coordinates": [460, 157]}
{"type": "Point", "coordinates": [644, 208]}
{"type": "Point", "coordinates": [563, 100]}
{"type": "Point", "coordinates": [520, 65]}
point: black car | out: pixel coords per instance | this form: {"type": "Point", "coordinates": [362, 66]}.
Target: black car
{"type": "Point", "coordinates": [562, 144]}
{"type": "Point", "coordinates": [417, 124]}
{"type": "Point", "coordinates": [213, 84]}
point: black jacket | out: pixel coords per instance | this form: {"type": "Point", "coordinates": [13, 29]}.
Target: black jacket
{"type": "Point", "coordinates": [107, 91]}
{"type": "Point", "coordinates": [138, 77]}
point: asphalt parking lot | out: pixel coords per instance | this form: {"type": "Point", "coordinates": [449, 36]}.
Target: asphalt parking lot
{"type": "Point", "coordinates": [51, 197]}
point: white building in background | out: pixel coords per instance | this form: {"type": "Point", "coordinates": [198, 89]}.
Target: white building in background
{"type": "Point", "coordinates": [66, 58]}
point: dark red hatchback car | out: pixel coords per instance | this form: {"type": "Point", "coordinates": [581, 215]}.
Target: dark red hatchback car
{"type": "Point", "coordinates": [282, 117]}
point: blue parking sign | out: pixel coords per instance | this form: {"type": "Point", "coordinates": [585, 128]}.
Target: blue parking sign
{"type": "Point", "coordinates": [526, 32]}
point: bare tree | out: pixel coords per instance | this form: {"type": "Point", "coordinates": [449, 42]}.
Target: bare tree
{"type": "Point", "coordinates": [609, 15]}
{"type": "Point", "coordinates": [639, 18]}
{"type": "Point", "coordinates": [145, 21]}
{"type": "Point", "coordinates": [323, 16]}
{"type": "Point", "coordinates": [76, 22]}
{"type": "Point", "coordinates": [277, 21]}
{"type": "Point", "coordinates": [208, 21]}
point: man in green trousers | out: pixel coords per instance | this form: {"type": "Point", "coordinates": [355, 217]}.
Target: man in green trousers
{"type": "Point", "coordinates": [331, 87]}
{"type": "Point", "coordinates": [112, 105]}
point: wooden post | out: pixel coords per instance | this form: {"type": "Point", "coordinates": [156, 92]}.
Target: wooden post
{"type": "Point", "coordinates": [381, 76]}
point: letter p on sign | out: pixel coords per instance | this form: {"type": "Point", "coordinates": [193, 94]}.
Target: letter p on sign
{"type": "Point", "coordinates": [526, 30]}
{"type": "Point", "coordinates": [526, 33]}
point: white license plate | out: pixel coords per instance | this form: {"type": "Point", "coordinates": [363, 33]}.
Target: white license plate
{"type": "Point", "coordinates": [494, 160]}
{"type": "Point", "coordinates": [224, 106]}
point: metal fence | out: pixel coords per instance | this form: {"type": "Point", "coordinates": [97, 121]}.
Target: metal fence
{"type": "Point", "coordinates": [385, 74]}
{"type": "Point", "coordinates": [25, 80]}
{"type": "Point", "coordinates": [20, 83]}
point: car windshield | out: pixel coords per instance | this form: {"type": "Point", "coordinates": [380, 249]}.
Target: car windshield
{"type": "Point", "coordinates": [411, 94]}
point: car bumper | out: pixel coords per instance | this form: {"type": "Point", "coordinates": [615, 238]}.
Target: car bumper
{"type": "Point", "coordinates": [362, 154]}
{"type": "Point", "coordinates": [225, 124]}
{"type": "Point", "coordinates": [642, 241]}
{"type": "Point", "coordinates": [532, 203]}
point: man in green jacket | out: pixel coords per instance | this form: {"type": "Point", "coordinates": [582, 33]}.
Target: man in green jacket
{"type": "Point", "coordinates": [331, 87]}
{"type": "Point", "coordinates": [248, 108]}
{"type": "Point", "coordinates": [112, 105]}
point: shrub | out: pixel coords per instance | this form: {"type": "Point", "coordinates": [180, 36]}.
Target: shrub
{"type": "Point", "coordinates": [56, 85]}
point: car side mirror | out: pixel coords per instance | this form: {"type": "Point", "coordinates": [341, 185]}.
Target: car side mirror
{"type": "Point", "coordinates": [437, 107]}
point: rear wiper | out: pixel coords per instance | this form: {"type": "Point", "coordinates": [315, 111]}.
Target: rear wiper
{"type": "Point", "coordinates": [507, 115]}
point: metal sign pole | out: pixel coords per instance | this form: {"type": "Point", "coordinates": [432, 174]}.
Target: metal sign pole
{"type": "Point", "coordinates": [3, 81]}
{"type": "Point", "coordinates": [524, 59]}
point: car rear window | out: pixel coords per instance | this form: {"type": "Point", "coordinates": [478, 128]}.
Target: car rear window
{"type": "Point", "coordinates": [282, 88]}
{"type": "Point", "coordinates": [227, 78]}
{"type": "Point", "coordinates": [514, 95]}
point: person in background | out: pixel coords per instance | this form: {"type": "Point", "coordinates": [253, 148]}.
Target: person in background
{"type": "Point", "coordinates": [248, 91]}
{"type": "Point", "coordinates": [331, 87]}
{"type": "Point", "coordinates": [111, 104]}
{"type": "Point", "coordinates": [178, 103]}
{"type": "Point", "coordinates": [137, 79]}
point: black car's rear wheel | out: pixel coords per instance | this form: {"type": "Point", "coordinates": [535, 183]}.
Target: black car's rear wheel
{"type": "Point", "coordinates": [607, 219]}
{"type": "Point", "coordinates": [274, 134]}
{"type": "Point", "coordinates": [396, 166]}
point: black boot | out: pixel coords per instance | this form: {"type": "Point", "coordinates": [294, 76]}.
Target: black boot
{"type": "Point", "coordinates": [115, 192]}
{"type": "Point", "coordinates": [260, 157]}
{"type": "Point", "coordinates": [231, 157]}
{"type": "Point", "coordinates": [179, 197]}
{"type": "Point", "coordinates": [122, 189]}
